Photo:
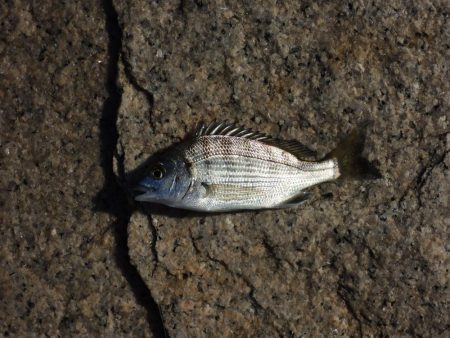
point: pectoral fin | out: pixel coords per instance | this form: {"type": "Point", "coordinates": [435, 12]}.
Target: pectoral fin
{"type": "Point", "coordinates": [231, 192]}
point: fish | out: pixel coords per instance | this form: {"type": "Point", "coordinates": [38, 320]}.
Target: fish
{"type": "Point", "coordinates": [223, 167]}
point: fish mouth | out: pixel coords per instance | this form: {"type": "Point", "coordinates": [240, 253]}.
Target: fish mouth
{"type": "Point", "coordinates": [147, 193]}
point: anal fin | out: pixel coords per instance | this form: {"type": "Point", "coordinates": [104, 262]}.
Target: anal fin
{"type": "Point", "coordinates": [295, 201]}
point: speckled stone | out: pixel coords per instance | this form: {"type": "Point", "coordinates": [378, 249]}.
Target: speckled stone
{"type": "Point", "coordinates": [367, 259]}
{"type": "Point", "coordinates": [59, 276]}
{"type": "Point", "coordinates": [373, 259]}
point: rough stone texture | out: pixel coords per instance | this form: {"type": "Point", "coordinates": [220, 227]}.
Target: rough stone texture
{"type": "Point", "coordinates": [59, 271]}
{"type": "Point", "coordinates": [364, 259]}
{"type": "Point", "coordinates": [372, 259]}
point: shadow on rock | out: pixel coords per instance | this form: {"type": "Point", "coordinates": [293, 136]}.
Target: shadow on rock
{"type": "Point", "coordinates": [113, 197]}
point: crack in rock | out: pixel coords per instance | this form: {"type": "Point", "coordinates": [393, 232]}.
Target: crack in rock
{"type": "Point", "coordinates": [153, 244]}
{"type": "Point", "coordinates": [113, 192]}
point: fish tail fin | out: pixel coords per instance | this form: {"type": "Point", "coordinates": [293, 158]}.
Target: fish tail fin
{"type": "Point", "coordinates": [348, 154]}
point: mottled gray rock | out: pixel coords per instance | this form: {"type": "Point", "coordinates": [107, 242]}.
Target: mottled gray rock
{"type": "Point", "coordinates": [366, 259]}
{"type": "Point", "coordinates": [59, 275]}
{"type": "Point", "coordinates": [372, 259]}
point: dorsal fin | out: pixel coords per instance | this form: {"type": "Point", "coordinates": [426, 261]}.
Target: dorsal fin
{"type": "Point", "coordinates": [230, 129]}
{"type": "Point", "coordinates": [294, 147]}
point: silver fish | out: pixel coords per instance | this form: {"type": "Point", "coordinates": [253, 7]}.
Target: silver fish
{"type": "Point", "coordinates": [225, 168]}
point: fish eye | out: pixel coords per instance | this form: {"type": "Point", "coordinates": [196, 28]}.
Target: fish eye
{"type": "Point", "coordinates": [158, 172]}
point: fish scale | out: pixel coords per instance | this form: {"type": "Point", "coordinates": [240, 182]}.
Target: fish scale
{"type": "Point", "coordinates": [273, 174]}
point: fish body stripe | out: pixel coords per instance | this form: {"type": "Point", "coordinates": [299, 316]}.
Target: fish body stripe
{"type": "Point", "coordinates": [208, 146]}
{"type": "Point", "coordinates": [244, 173]}
{"type": "Point", "coordinates": [235, 169]}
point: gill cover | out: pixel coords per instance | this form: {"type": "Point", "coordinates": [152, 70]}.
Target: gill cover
{"type": "Point", "coordinates": [167, 181]}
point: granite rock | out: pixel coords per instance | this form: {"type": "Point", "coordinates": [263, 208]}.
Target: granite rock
{"type": "Point", "coordinates": [361, 258]}
{"type": "Point", "coordinates": [79, 258]}
{"type": "Point", "coordinates": [59, 273]}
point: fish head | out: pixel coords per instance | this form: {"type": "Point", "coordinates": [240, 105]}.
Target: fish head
{"type": "Point", "coordinates": [166, 182]}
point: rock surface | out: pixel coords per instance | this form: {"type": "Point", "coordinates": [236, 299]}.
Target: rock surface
{"type": "Point", "coordinates": [62, 270]}
{"type": "Point", "coordinates": [359, 259]}
{"type": "Point", "coordinates": [373, 259]}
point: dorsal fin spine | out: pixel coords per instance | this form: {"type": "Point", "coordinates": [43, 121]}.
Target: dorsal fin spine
{"type": "Point", "coordinates": [216, 128]}
{"type": "Point", "coordinates": [229, 129]}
